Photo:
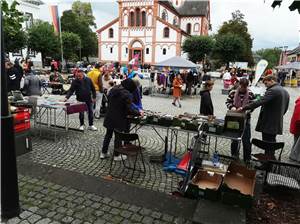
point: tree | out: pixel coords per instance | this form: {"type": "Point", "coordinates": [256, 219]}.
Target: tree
{"type": "Point", "coordinates": [197, 47]}
{"type": "Point", "coordinates": [41, 38]}
{"type": "Point", "coordinates": [14, 36]}
{"type": "Point", "coordinates": [272, 55]}
{"type": "Point", "coordinates": [71, 22]}
{"type": "Point", "coordinates": [84, 11]}
{"type": "Point", "coordinates": [71, 45]}
{"type": "Point", "coordinates": [229, 48]}
{"type": "Point", "coordinates": [238, 26]}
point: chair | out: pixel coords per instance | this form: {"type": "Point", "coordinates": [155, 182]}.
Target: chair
{"type": "Point", "coordinates": [130, 150]}
{"type": "Point", "coordinates": [268, 147]}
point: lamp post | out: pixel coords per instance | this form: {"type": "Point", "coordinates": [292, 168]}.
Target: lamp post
{"type": "Point", "coordinates": [9, 180]}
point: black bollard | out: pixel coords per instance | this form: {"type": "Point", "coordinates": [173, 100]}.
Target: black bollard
{"type": "Point", "coordinates": [9, 180]}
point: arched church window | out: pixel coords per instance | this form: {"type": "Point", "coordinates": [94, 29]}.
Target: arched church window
{"type": "Point", "coordinates": [166, 32]}
{"type": "Point", "coordinates": [164, 15]}
{"type": "Point", "coordinates": [137, 17]}
{"type": "Point", "coordinates": [164, 51]}
{"type": "Point", "coordinates": [131, 19]}
{"type": "Point", "coordinates": [111, 33]}
{"type": "Point", "coordinates": [143, 18]}
{"type": "Point", "coordinates": [175, 21]}
{"type": "Point", "coordinates": [196, 27]}
{"type": "Point", "coordinates": [188, 28]}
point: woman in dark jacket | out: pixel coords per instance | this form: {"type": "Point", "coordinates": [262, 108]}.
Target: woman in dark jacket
{"type": "Point", "coordinates": [206, 106]}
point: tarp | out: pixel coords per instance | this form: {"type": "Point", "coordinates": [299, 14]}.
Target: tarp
{"type": "Point", "coordinates": [292, 65]}
{"type": "Point", "coordinates": [177, 62]}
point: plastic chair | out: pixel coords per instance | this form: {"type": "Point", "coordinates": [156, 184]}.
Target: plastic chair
{"type": "Point", "coordinates": [130, 150]}
{"type": "Point", "coordinates": [269, 148]}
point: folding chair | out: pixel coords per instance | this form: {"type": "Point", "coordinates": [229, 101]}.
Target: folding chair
{"type": "Point", "coordinates": [130, 150]}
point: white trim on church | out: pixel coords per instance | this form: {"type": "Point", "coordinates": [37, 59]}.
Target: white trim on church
{"type": "Point", "coordinates": [151, 28]}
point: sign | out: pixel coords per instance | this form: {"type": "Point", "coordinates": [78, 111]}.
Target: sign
{"type": "Point", "coordinates": [260, 68]}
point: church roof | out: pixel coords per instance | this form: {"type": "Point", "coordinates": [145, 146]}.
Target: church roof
{"type": "Point", "coordinates": [34, 2]}
{"type": "Point", "coordinates": [190, 7]}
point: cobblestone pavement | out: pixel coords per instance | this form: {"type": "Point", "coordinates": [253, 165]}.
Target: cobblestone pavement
{"type": "Point", "coordinates": [80, 152]}
{"type": "Point", "coordinates": [45, 202]}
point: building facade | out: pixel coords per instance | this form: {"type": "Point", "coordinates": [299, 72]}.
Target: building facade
{"type": "Point", "coordinates": [153, 29]}
{"type": "Point", "coordinates": [31, 12]}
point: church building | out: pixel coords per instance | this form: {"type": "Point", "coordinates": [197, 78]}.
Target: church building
{"type": "Point", "coordinates": [153, 29]}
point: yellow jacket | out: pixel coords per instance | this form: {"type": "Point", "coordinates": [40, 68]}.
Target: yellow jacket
{"type": "Point", "coordinates": [95, 76]}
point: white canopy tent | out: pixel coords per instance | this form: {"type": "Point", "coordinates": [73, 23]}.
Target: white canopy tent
{"type": "Point", "coordinates": [176, 62]}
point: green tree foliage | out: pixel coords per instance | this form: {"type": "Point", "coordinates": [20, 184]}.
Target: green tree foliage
{"type": "Point", "coordinates": [71, 22]}
{"type": "Point", "coordinates": [229, 48]}
{"type": "Point", "coordinates": [272, 55]}
{"type": "Point", "coordinates": [14, 36]}
{"type": "Point", "coordinates": [84, 11]}
{"type": "Point", "coordinates": [41, 38]}
{"type": "Point", "coordinates": [238, 26]}
{"type": "Point", "coordinates": [71, 46]}
{"type": "Point", "coordinates": [197, 47]}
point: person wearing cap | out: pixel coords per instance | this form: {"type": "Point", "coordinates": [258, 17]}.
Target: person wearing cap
{"type": "Point", "coordinates": [85, 92]}
{"type": "Point", "coordinates": [96, 77]}
{"type": "Point", "coordinates": [119, 107]}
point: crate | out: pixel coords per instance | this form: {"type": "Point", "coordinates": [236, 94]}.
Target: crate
{"type": "Point", "coordinates": [238, 186]}
{"type": "Point", "coordinates": [205, 185]}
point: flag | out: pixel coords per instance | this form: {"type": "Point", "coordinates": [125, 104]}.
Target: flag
{"type": "Point", "coordinates": [55, 18]}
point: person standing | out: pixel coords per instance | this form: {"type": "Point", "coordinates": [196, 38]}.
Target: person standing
{"type": "Point", "coordinates": [85, 92]}
{"type": "Point", "coordinates": [189, 82]}
{"type": "Point", "coordinates": [235, 100]}
{"type": "Point", "coordinates": [119, 107]}
{"type": "Point", "coordinates": [295, 130]}
{"type": "Point", "coordinates": [177, 84]}
{"type": "Point", "coordinates": [32, 85]}
{"type": "Point", "coordinates": [206, 105]}
{"type": "Point", "coordinates": [96, 77]}
{"type": "Point", "coordinates": [274, 104]}
{"type": "Point", "coordinates": [14, 77]}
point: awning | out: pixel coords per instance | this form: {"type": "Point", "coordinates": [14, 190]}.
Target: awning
{"type": "Point", "coordinates": [292, 65]}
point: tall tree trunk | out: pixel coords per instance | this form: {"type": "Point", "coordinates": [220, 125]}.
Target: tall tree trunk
{"type": "Point", "coordinates": [87, 59]}
{"type": "Point", "coordinates": [42, 55]}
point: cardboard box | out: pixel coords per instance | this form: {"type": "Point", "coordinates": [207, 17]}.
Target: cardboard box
{"type": "Point", "coordinates": [205, 185]}
{"type": "Point", "coordinates": [238, 186]}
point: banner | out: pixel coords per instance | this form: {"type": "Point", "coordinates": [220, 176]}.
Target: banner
{"type": "Point", "coordinates": [260, 68]}
{"type": "Point", "coordinates": [55, 18]}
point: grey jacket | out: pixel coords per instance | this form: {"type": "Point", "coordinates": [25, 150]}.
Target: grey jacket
{"type": "Point", "coordinates": [274, 105]}
{"type": "Point", "coordinates": [32, 85]}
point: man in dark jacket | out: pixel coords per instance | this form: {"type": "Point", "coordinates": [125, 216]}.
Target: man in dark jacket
{"type": "Point", "coordinates": [119, 107]}
{"type": "Point", "coordinates": [274, 105]}
{"type": "Point", "coordinates": [14, 77]}
{"type": "Point", "coordinates": [85, 92]}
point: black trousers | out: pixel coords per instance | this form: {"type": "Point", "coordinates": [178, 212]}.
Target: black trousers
{"type": "Point", "coordinates": [89, 105]}
{"type": "Point", "coordinates": [269, 138]}
{"type": "Point", "coordinates": [107, 138]}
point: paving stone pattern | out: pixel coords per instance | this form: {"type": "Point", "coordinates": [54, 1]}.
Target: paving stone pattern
{"type": "Point", "coordinates": [48, 203]}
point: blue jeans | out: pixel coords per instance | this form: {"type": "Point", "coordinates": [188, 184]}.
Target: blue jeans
{"type": "Point", "coordinates": [89, 105]}
{"type": "Point", "coordinates": [246, 141]}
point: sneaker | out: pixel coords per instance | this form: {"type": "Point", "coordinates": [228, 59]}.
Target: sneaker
{"type": "Point", "coordinates": [104, 155]}
{"type": "Point", "coordinates": [179, 105]}
{"type": "Point", "coordinates": [92, 128]}
{"type": "Point", "coordinates": [174, 104]}
{"type": "Point", "coordinates": [81, 128]}
{"type": "Point", "coordinates": [120, 157]}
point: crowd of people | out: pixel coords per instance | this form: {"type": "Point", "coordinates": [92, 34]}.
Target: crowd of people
{"type": "Point", "coordinates": [123, 93]}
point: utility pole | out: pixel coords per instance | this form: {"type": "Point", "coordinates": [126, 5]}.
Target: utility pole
{"type": "Point", "coordinates": [9, 179]}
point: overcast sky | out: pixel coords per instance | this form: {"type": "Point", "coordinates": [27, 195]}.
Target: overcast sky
{"type": "Point", "coordinates": [269, 28]}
